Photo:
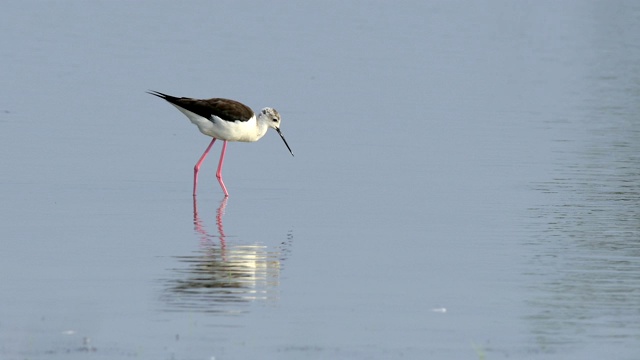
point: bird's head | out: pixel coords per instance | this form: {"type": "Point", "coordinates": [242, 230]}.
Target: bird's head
{"type": "Point", "coordinates": [272, 118]}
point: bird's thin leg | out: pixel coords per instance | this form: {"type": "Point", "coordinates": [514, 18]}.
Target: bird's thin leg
{"type": "Point", "coordinates": [197, 167]}
{"type": "Point", "coordinates": [219, 172]}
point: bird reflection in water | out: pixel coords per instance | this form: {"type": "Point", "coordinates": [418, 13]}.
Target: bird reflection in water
{"type": "Point", "coordinates": [222, 276]}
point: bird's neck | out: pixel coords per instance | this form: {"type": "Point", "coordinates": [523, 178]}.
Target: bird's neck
{"type": "Point", "coordinates": [261, 126]}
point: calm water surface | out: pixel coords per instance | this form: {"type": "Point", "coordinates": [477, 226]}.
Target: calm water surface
{"type": "Point", "coordinates": [465, 186]}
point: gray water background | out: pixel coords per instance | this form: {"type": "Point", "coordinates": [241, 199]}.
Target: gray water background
{"type": "Point", "coordinates": [465, 186]}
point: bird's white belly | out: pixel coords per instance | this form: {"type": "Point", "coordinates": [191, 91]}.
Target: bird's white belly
{"type": "Point", "coordinates": [228, 130]}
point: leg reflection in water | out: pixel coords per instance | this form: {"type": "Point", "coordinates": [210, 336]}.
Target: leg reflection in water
{"type": "Point", "coordinates": [207, 238]}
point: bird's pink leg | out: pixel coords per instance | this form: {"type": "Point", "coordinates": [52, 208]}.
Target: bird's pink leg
{"type": "Point", "coordinates": [197, 167]}
{"type": "Point", "coordinates": [219, 172]}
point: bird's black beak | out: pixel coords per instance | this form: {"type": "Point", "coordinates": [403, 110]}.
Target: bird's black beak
{"type": "Point", "coordinates": [285, 141]}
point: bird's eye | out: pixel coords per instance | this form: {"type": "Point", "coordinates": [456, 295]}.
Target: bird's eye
{"type": "Point", "coordinates": [275, 120]}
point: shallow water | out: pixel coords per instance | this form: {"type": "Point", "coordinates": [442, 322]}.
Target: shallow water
{"type": "Point", "coordinates": [465, 182]}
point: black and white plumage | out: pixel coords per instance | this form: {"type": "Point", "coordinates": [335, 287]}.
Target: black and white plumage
{"type": "Point", "coordinates": [227, 120]}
